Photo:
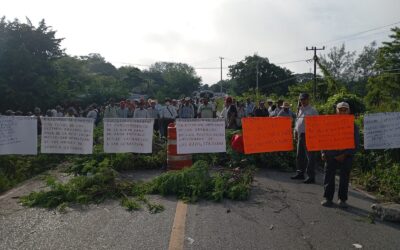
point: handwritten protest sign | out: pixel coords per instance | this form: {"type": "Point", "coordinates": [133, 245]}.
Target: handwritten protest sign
{"type": "Point", "coordinates": [128, 135]}
{"type": "Point", "coordinates": [382, 130]}
{"type": "Point", "coordinates": [200, 135]}
{"type": "Point", "coordinates": [67, 135]}
{"type": "Point", "coordinates": [267, 134]}
{"type": "Point", "coordinates": [18, 135]}
{"type": "Point", "coordinates": [329, 132]}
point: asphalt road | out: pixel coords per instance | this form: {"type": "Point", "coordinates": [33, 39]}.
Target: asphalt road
{"type": "Point", "coordinates": [281, 214]}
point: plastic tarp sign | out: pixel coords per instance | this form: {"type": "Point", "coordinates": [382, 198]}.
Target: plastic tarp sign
{"type": "Point", "coordinates": [382, 130]}
{"type": "Point", "coordinates": [18, 135]}
{"type": "Point", "coordinates": [267, 134]}
{"type": "Point", "coordinates": [67, 135]}
{"type": "Point", "coordinates": [329, 132]}
{"type": "Point", "coordinates": [123, 135]}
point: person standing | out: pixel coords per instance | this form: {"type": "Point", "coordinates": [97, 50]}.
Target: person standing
{"type": "Point", "coordinates": [249, 108]}
{"type": "Point", "coordinates": [305, 160]}
{"type": "Point", "coordinates": [261, 110]}
{"type": "Point", "coordinates": [186, 110]}
{"type": "Point", "coordinates": [122, 111]}
{"type": "Point", "coordinates": [205, 109]}
{"type": "Point", "coordinates": [229, 113]}
{"type": "Point", "coordinates": [111, 110]}
{"type": "Point", "coordinates": [339, 159]}
{"type": "Point", "coordinates": [167, 116]}
{"type": "Point", "coordinates": [152, 112]}
{"type": "Point", "coordinates": [141, 112]}
{"type": "Point", "coordinates": [285, 111]}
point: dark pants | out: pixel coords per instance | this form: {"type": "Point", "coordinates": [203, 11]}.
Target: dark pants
{"type": "Point", "coordinates": [164, 126]}
{"type": "Point", "coordinates": [305, 160]}
{"type": "Point", "coordinates": [329, 181]}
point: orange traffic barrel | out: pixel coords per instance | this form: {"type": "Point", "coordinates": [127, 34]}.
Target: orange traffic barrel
{"type": "Point", "coordinates": [175, 161]}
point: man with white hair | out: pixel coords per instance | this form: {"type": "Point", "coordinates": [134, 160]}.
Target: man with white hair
{"type": "Point", "coordinates": [339, 159]}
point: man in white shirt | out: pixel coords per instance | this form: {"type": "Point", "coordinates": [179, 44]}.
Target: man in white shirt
{"type": "Point", "coordinates": [205, 109]}
{"type": "Point", "coordinates": [167, 116]}
{"type": "Point", "coordinates": [305, 160]}
{"type": "Point", "coordinates": [110, 110]}
{"type": "Point", "coordinates": [154, 113]}
{"type": "Point", "coordinates": [140, 112]}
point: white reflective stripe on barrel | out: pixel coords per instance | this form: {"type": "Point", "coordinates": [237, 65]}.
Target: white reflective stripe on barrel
{"type": "Point", "coordinates": [179, 157]}
{"type": "Point", "coordinates": [171, 142]}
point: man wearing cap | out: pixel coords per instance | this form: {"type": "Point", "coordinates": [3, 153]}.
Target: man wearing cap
{"type": "Point", "coordinates": [285, 111]}
{"type": "Point", "coordinates": [305, 160]}
{"type": "Point", "coordinates": [339, 159]}
{"type": "Point", "coordinates": [186, 110]}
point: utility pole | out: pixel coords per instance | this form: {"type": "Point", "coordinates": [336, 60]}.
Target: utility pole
{"type": "Point", "coordinates": [221, 73]}
{"type": "Point", "coordinates": [315, 68]}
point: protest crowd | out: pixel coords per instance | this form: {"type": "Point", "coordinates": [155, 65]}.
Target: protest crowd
{"type": "Point", "coordinates": [232, 112]}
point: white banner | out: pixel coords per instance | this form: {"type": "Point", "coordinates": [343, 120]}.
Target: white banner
{"type": "Point", "coordinates": [67, 135]}
{"type": "Point", "coordinates": [382, 130]}
{"type": "Point", "coordinates": [200, 135]}
{"type": "Point", "coordinates": [18, 135]}
{"type": "Point", "coordinates": [128, 135]}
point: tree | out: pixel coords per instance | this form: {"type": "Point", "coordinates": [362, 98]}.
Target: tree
{"type": "Point", "coordinates": [27, 72]}
{"type": "Point", "coordinates": [271, 78]}
{"type": "Point", "coordinates": [384, 88]}
{"type": "Point", "coordinates": [98, 65]}
{"type": "Point", "coordinates": [174, 79]}
{"type": "Point", "coordinates": [340, 64]}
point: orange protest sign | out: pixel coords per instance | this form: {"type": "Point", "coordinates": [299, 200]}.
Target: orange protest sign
{"type": "Point", "coordinates": [267, 134]}
{"type": "Point", "coordinates": [329, 132]}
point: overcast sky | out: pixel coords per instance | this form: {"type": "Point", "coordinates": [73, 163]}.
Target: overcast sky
{"type": "Point", "coordinates": [141, 32]}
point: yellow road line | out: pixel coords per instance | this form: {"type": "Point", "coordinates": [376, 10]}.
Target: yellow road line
{"type": "Point", "coordinates": [177, 238]}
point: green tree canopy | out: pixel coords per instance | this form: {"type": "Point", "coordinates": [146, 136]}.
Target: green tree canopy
{"type": "Point", "coordinates": [27, 54]}
{"type": "Point", "coordinates": [271, 78]}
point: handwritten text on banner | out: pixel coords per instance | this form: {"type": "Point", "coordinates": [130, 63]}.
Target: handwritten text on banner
{"type": "Point", "coordinates": [329, 132]}
{"type": "Point", "coordinates": [18, 135]}
{"type": "Point", "coordinates": [200, 135]}
{"type": "Point", "coordinates": [128, 135]}
{"type": "Point", "coordinates": [67, 135]}
{"type": "Point", "coordinates": [267, 134]}
{"type": "Point", "coordinates": [382, 130]}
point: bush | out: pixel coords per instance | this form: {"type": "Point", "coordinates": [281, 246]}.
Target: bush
{"type": "Point", "coordinates": [357, 106]}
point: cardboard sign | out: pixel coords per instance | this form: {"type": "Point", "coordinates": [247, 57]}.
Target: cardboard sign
{"type": "Point", "coordinates": [382, 130]}
{"type": "Point", "coordinates": [200, 135]}
{"type": "Point", "coordinates": [18, 135]}
{"type": "Point", "coordinates": [67, 135]}
{"type": "Point", "coordinates": [329, 132]}
{"type": "Point", "coordinates": [267, 134]}
{"type": "Point", "coordinates": [128, 135]}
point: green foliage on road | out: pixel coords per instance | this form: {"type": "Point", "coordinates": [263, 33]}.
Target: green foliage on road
{"type": "Point", "coordinates": [190, 184]}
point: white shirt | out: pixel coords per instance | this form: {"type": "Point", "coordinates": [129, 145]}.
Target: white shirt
{"type": "Point", "coordinates": [152, 113]}
{"type": "Point", "coordinates": [140, 113]}
{"type": "Point", "coordinates": [168, 112]}
{"type": "Point", "coordinates": [303, 112]}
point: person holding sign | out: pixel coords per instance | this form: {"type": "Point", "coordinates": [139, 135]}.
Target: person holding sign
{"type": "Point", "coordinates": [305, 160]}
{"type": "Point", "coordinates": [341, 159]}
